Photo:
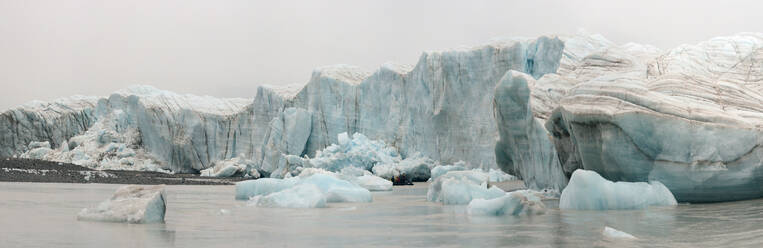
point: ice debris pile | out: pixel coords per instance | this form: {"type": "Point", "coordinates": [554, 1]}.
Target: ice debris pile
{"type": "Point", "coordinates": [520, 202]}
{"type": "Point", "coordinates": [130, 204]}
{"type": "Point", "coordinates": [314, 188]}
{"type": "Point", "coordinates": [587, 190]}
{"type": "Point", "coordinates": [357, 151]}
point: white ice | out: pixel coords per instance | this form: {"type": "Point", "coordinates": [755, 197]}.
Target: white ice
{"type": "Point", "coordinates": [461, 187]}
{"type": "Point", "coordinates": [299, 196]}
{"type": "Point", "coordinates": [131, 204]}
{"type": "Point", "coordinates": [587, 190]}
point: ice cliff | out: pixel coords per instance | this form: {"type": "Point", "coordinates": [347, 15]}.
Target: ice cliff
{"type": "Point", "coordinates": [689, 117]}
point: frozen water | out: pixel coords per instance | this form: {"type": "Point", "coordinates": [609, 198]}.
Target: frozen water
{"type": "Point", "coordinates": [587, 190]}
{"type": "Point", "coordinates": [131, 204]}
{"type": "Point", "coordinates": [263, 186]}
{"type": "Point", "coordinates": [299, 196]}
{"type": "Point", "coordinates": [338, 190]}
{"type": "Point", "coordinates": [461, 187]}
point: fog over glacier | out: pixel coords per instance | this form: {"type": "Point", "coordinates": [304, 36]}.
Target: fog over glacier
{"type": "Point", "coordinates": [52, 49]}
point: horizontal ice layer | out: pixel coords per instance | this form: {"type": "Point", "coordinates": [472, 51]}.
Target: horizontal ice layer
{"type": "Point", "coordinates": [461, 187]}
{"type": "Point", "coordinates": [690, 117]}
{"type": "Point", "coordinates": [521, 202]}
{"type": "Point", "coordinates": [130, 204]}
{"type": "Point", "coordinates": [587, 190]}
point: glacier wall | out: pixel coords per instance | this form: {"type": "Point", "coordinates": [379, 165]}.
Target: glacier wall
{"type": "Point", "coordinates": [689, 117]}
{"type": "Point", "coordinates": [441, 108]}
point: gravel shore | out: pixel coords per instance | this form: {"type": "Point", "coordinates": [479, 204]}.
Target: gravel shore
{"type": "Point", "coordinates": [32, 170]}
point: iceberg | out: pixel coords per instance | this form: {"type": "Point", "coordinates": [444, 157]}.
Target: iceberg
{"type": "Point", "coordinates": [130, 204]}
{"type": "Point", "coordinates": [338, 190]}
{"type": "Point", "coordinates": [461, 187]}
{"type": "Point", "coordinates": [263, 186]}
{"type": "Point", "coordinates": [521, 202]}
{"type": "Point", "coordinates": [587, 190]}
{"type": "Point", "coordinates": [311, 189]}
{"type": "Point", "coordinates": [612, 233]}
{"type": "Point", "coordinates": [299, 196]}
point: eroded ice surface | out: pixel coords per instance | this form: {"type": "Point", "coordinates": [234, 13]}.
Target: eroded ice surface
{"type": "Point", "coordinates": [587, 190]}
{"type": "Point", "coordinates": [130, 204]}
{"type": "Point", "coordinates": [461, 187]}
{"type": "Point", "coordinates": [520, 202]}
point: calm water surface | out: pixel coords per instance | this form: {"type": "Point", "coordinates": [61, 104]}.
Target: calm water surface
{"type": "Point", "coordinates": [44, 215]}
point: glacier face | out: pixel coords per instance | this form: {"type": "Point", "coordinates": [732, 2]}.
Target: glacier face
{"type": "Point", "coordinates": [439, 108]}
{"type": "Point", "coordinates": [689, 117]}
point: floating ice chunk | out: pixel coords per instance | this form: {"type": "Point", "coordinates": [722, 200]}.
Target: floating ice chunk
{"type": "Point", "coordinates": [461, 187]}
{"type": "Point", "coordinates": [263, 186]}
{"type": "Point", "coordinates": [299, 196]}
{"type": "Point", "coordinates": [587, 190]}
{"type": "Point", "coordinates": [374, 183]}
{"type": "Point", "coordinates": [440, 170]}
{"type": "Point", "coordinates": [612, 233]}
{"type": "Point", "coordinates": [338, 190]}
{"type": "Point", "coordinates": [514, 203]}
{"type": "Point", "coordinates": [130, 203]}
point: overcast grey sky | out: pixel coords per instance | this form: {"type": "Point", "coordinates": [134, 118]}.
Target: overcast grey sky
{"type": "Point", "coordinates": [57, 48]}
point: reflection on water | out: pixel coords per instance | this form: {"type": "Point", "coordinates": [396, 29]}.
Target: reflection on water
{"type": "Point", "coordinates": [33, 214]}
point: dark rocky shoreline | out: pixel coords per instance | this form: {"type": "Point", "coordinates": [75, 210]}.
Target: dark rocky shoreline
{"type": "Point", "coordinates": [32, 170]}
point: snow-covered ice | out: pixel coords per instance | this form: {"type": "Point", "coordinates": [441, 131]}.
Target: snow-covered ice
{"type": "Point", "coordinates": [131, 204]}
{"type": "Point", "coordinates": [587, 190]}
{"type": "Point", "coordinates": [521, 202]}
